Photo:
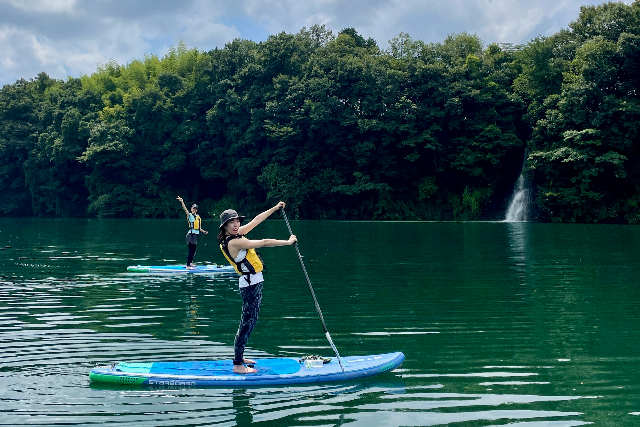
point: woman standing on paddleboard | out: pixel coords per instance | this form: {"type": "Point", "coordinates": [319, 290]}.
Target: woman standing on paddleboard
{"type": "Point", "coordinates": [195, 227]}
{"type": "Point", "coordinates": [241, 254]}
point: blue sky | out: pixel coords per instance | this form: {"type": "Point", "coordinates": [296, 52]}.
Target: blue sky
{"type": "Point", "coordinates": [67, 38]}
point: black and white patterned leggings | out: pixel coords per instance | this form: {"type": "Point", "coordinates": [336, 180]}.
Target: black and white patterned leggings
{"type": "Point", "coordinates": [251, 298]}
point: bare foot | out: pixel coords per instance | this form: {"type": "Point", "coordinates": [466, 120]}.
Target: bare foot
{"type": "Point", "coordinates": [249, 361]}
{"type": "Point", "coordinates": [241, 369]}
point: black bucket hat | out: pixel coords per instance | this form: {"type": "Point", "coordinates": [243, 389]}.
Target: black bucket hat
{"type": "Point", "coordinates": [228, 215]}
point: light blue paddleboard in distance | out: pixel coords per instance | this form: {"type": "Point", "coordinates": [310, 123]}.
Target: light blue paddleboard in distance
{"type": "Point", "coordinates": [179, 269]}
{"type": "Point", "coordinates": [271, 371]}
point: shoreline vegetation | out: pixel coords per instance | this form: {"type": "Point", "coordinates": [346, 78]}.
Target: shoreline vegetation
{"type": "Point", "coordinates": [340, 128]}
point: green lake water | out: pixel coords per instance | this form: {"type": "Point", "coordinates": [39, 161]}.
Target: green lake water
{"type": "Point", "coordinates": [502, 324]}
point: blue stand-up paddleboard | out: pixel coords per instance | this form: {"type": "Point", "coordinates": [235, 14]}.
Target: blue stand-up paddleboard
{"type": "Point", "coordinates": [178, 269]}
{"type": "Point", "coordinates": [276, 371]}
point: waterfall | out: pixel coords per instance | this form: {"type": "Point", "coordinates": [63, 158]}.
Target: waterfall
{"type": "Point", "coordinates": [519, 207]}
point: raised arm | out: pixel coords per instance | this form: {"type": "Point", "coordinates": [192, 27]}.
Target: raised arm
{"type": "Point", "coordinates": [246, 228]}
{"type": "Point", "coordinates": [183, 206]}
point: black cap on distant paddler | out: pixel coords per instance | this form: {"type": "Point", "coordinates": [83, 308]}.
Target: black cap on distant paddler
{"type": "Point", "coordinates": [228, 215]}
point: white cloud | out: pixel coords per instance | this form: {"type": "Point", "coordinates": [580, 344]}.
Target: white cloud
{"type": "Point", "coordinates": [55, 6]}
{"type": "Point", "coordinates": [7, 52]}
{"type": "Point", "coordinates": [70, 38]}
{"type": "Point", "coordinates": [202, 27]}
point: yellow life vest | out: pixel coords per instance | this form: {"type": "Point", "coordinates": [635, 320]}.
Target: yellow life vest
{"type": "Point", "coordinates": [195, 225]}
{"type": "Point", "coordinates": [252, 261]}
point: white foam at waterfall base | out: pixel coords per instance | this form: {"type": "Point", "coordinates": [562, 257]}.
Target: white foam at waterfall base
{"type": "Point", "coordinates": [519, 207]}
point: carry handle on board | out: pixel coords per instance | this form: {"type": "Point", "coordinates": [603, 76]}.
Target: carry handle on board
{"type": "Point", "coordinates": [313, 294]}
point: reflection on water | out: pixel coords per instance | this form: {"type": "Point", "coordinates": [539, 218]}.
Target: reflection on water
{"type": "Point", "coordinates": [501, 323]}
{"type": "Point", "coordinates": [517, 232]}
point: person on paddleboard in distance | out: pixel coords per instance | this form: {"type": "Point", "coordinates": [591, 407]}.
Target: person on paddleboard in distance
{"type": "Point", "coordinates": [195, 227]}
{"type": "Point", "coordinates": [241, 254]}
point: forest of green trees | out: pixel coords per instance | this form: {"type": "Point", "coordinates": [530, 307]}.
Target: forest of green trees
{"type": "Point", "coordinates": [339, 128]}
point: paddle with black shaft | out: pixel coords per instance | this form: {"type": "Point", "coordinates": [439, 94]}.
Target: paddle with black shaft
{"type": "Point", "coordinates": [209, 226]}
{"type": "Point", "coordinates": [313, 294]}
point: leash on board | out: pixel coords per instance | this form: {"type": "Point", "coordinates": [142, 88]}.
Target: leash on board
{"type": "Point", "coordinates": [313, 294]}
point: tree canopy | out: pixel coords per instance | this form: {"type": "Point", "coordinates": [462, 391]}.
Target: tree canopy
{"type": "Point", "coordinates": [339, 128]}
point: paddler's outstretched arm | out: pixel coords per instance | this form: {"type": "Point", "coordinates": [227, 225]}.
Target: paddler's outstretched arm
{"type": "Point", "coordinates": [183, 206]}
{"type": "Point", "coordinates": [237, 244]}
{"type": "Point", "coordinates": [246, 228]}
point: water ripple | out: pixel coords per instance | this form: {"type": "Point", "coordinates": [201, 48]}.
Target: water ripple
{"type": "Point", "coordinates": [525, 325]}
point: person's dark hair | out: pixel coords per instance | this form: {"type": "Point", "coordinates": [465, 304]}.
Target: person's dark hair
{"type": "Point", "coordinates": [221, 236]}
